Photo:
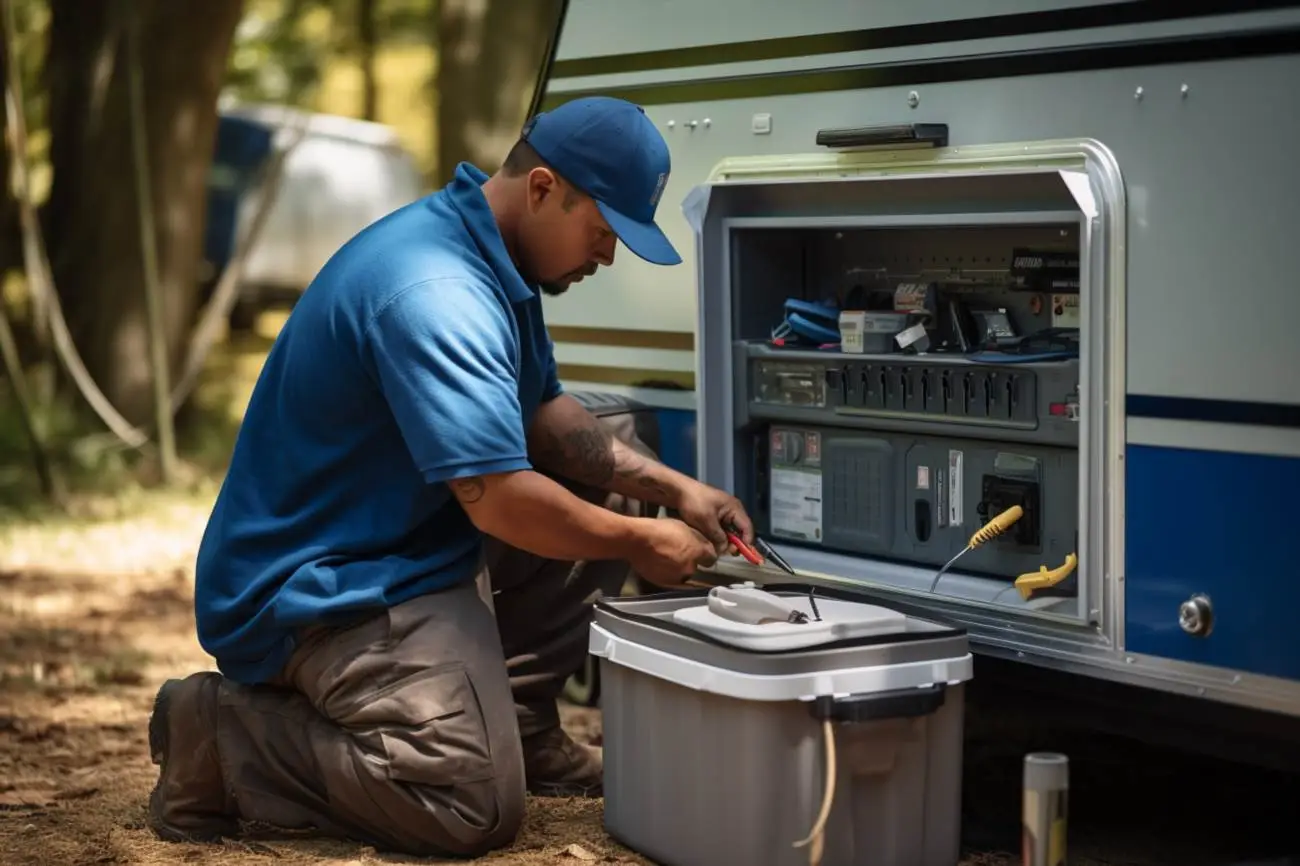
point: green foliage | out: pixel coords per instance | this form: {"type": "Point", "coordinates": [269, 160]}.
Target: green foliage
{"type": "Point", "coordinates": [283, 46]}
{"type": "Point", "coordinates": [275, 59]}
{"type": "Point", "coordinates": [285, 52]}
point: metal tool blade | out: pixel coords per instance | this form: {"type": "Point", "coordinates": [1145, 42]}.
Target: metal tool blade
{"type": "Point", "coordinates": [772, 556]}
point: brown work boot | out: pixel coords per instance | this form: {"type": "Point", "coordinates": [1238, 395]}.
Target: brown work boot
{"type": "Point", "coordinates": [556, 766]}
{"type": "Point", "coordinates": [189, 803]}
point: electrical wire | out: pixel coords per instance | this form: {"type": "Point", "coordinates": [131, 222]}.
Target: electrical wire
{"type": "Point", "coordinates": [815, 840]}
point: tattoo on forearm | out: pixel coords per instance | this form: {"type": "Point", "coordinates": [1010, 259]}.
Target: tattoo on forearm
{"type": "Point", "coordinates": [585, 455]}
{"type": "Point", "coordinates": [469, 490]}
{"type": "Point", "coordinates": [591, 455]}
{"type": "Point", "coordinates": [632, 466]}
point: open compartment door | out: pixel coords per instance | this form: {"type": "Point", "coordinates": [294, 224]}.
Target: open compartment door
{"type": "Point", "coordinates": [897, 346]}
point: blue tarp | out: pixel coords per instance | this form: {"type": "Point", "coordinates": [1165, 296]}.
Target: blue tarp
{"type": "Point", "coordinates": [242, 146]}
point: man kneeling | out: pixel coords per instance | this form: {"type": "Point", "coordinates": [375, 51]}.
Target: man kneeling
{"type": "Point", "coordinates": [396, 578]}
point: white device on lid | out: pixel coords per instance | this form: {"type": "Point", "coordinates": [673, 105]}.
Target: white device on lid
{"type": "Point", "coordinates": [751, 618]}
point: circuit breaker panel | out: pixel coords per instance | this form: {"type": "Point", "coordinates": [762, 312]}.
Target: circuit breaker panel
{"type": "Point", "coordinates": [919, 499]}
{"type": "Point", "coordinates": [898, 388]}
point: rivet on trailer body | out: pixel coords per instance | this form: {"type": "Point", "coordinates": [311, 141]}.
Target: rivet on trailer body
{"type": "Point", "coordinates": [1184, 90]}
{"type": "Point", "coordinates": [671, 124]}
{"type": "Point", "coordinates": [913, 99]}
{"type": "Point", "coordinates": [1137, 94]}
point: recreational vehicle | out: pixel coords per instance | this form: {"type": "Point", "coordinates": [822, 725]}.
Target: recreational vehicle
{"type": "Point", "coordinates": [950, 262]}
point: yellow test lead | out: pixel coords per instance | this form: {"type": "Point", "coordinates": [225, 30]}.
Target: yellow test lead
{"type": "Point", "coordinates": [985, 533]}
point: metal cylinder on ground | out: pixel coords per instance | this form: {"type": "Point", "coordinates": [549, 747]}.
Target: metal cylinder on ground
{"type": "Point", "coordinates": [1045, 804]}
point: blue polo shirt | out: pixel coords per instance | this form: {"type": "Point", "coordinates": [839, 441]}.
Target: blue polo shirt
{"type": "Point", "coordinates": [417, 355]}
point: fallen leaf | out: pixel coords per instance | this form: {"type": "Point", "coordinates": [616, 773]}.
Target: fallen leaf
{"type": "Point", "coordinates": [576, 850]}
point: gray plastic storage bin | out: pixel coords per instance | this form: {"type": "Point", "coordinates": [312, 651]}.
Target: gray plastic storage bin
{"type": "Point", "coordinates": [714, 757]}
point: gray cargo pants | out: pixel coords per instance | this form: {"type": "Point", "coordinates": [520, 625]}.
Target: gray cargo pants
{"type": "Point", "coordinates": [403, 730]}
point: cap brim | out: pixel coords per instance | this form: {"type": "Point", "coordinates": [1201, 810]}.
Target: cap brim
{"type": "Point", "coordinates": [646, 240]}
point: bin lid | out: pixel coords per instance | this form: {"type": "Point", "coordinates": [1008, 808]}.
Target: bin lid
{"type": "Point", "coordinates": [875, 649]}
{"type": "Point", "coordinates": [722, 615]}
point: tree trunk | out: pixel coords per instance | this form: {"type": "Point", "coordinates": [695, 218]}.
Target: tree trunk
{"type": "Point", "coordinates": [366, 26]}
{"type": "Point", "coordinates": [11, 247]}
{"type": "Point", "coordinates": [489, 55]}
{"type": "Point", "coordinates": [92, 222]}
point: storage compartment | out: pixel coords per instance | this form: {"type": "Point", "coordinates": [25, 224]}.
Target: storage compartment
{"type": "Point", "coordinates": [893, 362]}
{"type": "Point", "coordinates": [717, 754]}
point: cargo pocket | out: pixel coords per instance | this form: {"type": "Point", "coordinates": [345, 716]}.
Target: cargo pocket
{"type": "Point", "coordinates": [432, 728]}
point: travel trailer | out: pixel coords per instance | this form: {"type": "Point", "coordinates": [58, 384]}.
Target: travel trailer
{"type": "Point", "coordinates": [340, 175]}
{"type": "Point", "coordinates": [951, 261]}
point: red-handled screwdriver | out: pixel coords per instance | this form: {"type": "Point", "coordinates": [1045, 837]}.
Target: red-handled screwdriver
{"type": "Point", "coordinates": [744, 549]}
{"type": "Point", "coordinates": [758, 552]}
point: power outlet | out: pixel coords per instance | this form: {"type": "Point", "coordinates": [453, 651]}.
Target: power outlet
{"type": "Point", "coordinates": [997, 494]}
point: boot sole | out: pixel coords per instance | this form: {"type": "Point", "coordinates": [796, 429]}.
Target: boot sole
{"type": "Point", "coordinates": [158, 741]}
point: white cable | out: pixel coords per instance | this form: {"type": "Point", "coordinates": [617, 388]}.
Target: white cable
{"type": "Point", "coordinates": [815, 837]}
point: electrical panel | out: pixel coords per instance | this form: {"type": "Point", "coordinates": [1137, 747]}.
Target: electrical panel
{"type": "Point", "coordinates": [900, 388]}
{"type": "Point", "coordinates": [1027, 401]}
{"type": "Point", "coordinates": [917, 499]}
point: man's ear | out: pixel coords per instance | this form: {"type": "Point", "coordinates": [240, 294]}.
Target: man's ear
{"type": "Point", "coordinates": [541, 186]}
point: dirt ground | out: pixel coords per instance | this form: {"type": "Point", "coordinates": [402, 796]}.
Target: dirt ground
{"type": "Point", "coordinates": [94, 615]}
{"type": "Point", "coordinates": [92, 620]}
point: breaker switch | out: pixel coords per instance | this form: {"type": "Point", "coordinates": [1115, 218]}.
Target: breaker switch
{"type": "Point", "coordinates": [837, 379]}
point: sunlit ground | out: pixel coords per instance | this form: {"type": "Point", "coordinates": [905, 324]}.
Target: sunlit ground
{"type": "Point", "coordinates": [96, 610]}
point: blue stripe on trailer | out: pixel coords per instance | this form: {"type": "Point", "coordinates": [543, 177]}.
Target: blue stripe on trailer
{"type": "Point", "coordinates": [1222, 524]}
{"type": "Point", "coordinates": [1215, 411]}
{"type": "Point", "coordinates": [677, 439]}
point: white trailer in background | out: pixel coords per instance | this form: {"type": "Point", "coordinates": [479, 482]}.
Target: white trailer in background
{"type": "Point", "coordinates": [1153, 142]}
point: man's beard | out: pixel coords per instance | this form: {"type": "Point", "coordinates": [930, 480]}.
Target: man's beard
{"type": "Point", "coordinates": [556, 289]}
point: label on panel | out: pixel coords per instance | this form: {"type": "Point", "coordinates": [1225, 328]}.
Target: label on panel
{"type": "Point", "coordinates": [1065, 311]}
{"type": "Point", "coordinates": [955, 459]}
{"type": "Point", "coordinates": [797, 504]}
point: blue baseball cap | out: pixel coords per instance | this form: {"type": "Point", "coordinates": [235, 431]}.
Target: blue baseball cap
{"type": "Point", "coordinates": [610, 150]}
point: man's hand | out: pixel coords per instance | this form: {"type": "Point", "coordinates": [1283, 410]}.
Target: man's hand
{"type": "Point", "coordinates": [713, 513]}
{"type": "Point", "coordinates": [671, 552]}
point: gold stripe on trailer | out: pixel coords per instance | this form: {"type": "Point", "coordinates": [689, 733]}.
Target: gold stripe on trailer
{"type": "Point", "coordinates": [627, 376]}
{"type": "Point", "coordinates": [624, 338]}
